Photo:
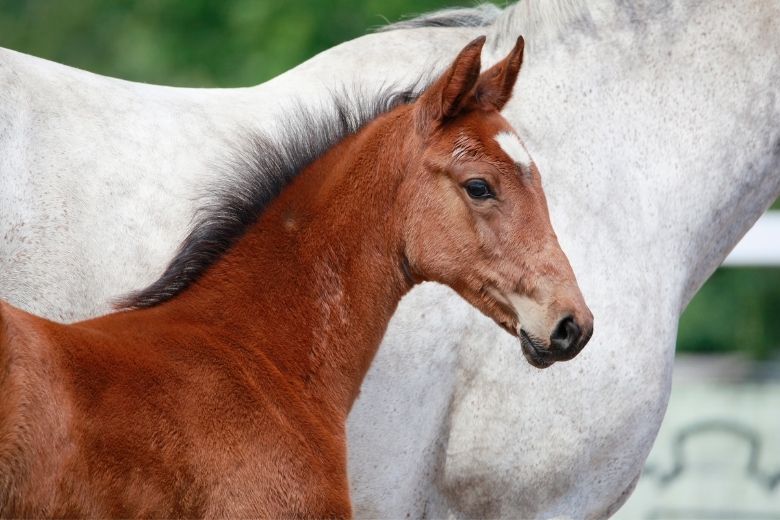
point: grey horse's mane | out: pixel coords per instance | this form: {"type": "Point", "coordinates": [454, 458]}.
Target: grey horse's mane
{"type": "Point", "coordinates": [477, 16]}
{"type": "Point", "coordinates": [533, 18]}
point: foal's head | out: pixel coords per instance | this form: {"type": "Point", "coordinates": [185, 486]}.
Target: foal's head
{"type": "Point", "coordinates": [477, 216]}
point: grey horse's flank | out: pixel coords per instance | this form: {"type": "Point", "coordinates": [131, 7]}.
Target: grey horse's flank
{"type": "Point", "coordinates": [654, 124]}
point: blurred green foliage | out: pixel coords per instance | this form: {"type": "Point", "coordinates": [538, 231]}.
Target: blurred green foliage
{"type": "Point", "coordinates": [207, 43]}
{"type": "Point", "coordinates": [737, 309]}
{"type": "Point", "coordinates": [210, 43]}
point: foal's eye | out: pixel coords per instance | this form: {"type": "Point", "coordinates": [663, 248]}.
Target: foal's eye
{"type": "Point", "coordinates": [478, 189]}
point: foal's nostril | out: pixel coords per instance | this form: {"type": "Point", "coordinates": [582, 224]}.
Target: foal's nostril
{"type": "Point", "coordinates": [565, 334]}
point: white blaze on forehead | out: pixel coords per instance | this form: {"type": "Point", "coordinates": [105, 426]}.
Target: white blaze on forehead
{"type": "Point", "coordinates": [515, 149]}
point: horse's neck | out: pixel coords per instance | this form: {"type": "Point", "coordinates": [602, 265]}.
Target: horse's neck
{"type": "Point", "coordinates": [313, 284]}
{"type": "Point", "coordinates": [666, 117]}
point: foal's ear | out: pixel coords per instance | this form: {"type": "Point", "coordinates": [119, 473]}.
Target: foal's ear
{"type": "Point", "coordinates": [450, 93]}
{"type": "Point", "coordinates": [494, 87]}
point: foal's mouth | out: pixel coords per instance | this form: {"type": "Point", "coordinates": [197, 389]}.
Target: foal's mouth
{"type": "Point", "coordinates": [534, 351]}
{"type": "Point", "coordinates": [533, 348]}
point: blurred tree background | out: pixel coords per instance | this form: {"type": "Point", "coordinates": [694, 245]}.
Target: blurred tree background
{"type": "Point", "coordinates": [737, 309]}
{"type": "Point", "coordinates": [203, 43]}
{"type": "Point", "coordinates": [230, 43]}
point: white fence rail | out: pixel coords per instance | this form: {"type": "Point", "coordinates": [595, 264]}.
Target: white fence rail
{"type": "Point", "coordinates": [760, 246]}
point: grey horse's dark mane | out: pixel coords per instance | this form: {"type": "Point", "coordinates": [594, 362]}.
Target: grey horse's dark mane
{"type": "Point", "coordinates": [535, 19]}
{"type": "Point", "coordinates": [478, 16]}
{"type": "Point", "coordinates": [255, 174]}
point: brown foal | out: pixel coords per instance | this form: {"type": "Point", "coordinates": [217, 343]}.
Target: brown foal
{"type": "Point", "coordinates": [228, 397]}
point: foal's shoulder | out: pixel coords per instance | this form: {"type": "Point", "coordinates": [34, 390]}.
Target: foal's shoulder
{"type": "Point", "coordinates": [31, 346]}
{"type": "Point", "coordinates": [34, 409]}
{"type": "Point", "coordinates": [26, 344]}
{"type": "Point", "coordinates": [20, 327]}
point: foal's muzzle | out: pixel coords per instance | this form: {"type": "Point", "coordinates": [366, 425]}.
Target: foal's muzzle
{"type": "Point", "coordinates": [567, 340]}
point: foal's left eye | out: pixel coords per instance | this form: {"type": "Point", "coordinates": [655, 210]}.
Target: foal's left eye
{"type": "Point", "coordinates": [478, 189]}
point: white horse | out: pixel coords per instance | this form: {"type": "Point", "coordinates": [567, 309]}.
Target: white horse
{"type": "Point", "coordinates": [656, 124]}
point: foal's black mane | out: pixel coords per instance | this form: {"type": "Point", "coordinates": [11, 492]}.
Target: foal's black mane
{"type": "Point", "coordinates": [259, 170]}
{"type": "Point", "coordinates": [255, 175]}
